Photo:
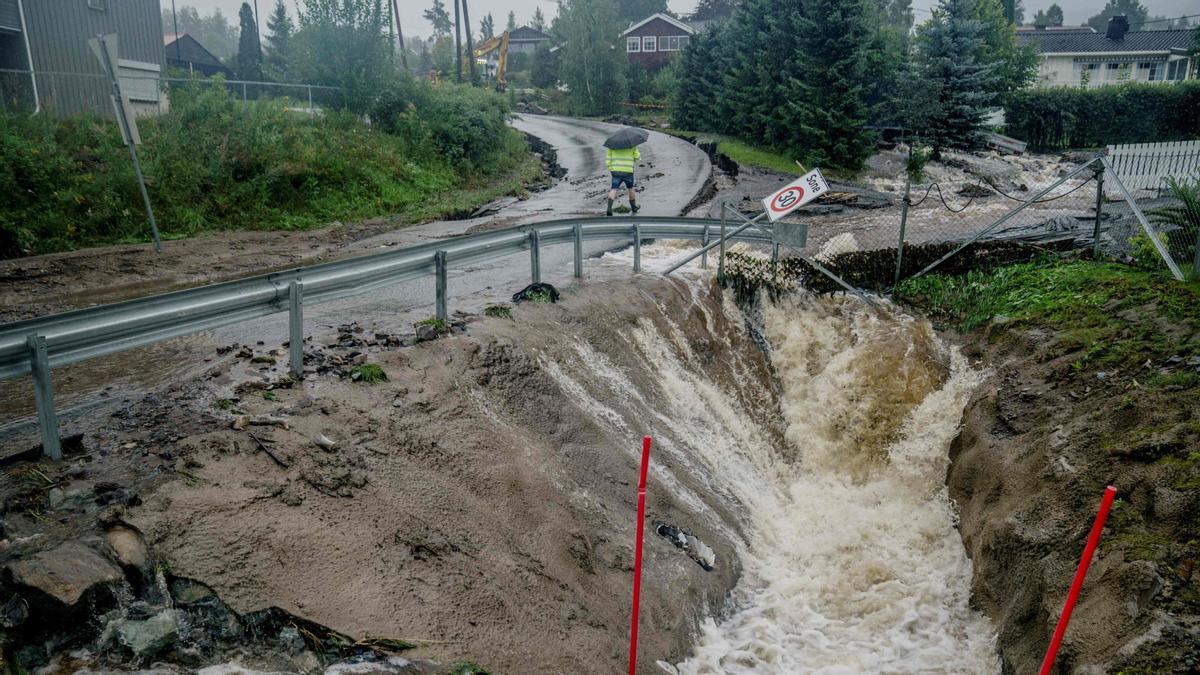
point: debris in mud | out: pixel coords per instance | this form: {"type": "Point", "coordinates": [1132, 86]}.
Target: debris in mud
{"type": "Point", "coordinates": [696, 549]}
{"type": "Point", "coordinates": [540, 294]}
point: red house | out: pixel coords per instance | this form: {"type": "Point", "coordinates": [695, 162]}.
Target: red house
{"type": "Point", "coordinates": [655, 40]}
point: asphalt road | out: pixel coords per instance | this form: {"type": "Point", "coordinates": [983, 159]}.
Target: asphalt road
{"type": "Point", "coordinates": [673, 172]}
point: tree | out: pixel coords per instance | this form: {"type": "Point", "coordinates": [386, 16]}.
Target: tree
{"type": "Point", "coordinates": [512, 22]}
{"type": "Point", "coordinates": [636, 10]}
{"type": "Point", "coordinates": [1014, 66]}
{"type": "Point", "coordinates": [342, 43]}
{"type": "Point", "coordinates": [282, 28]}
{"type": "Point", "coordinates": [1054, 15]}
{"type": "Point", "coordinates": [487, 27]}
{"type": "Point", "coordinates": [949, 45]}
{"type": "Point", "coordinates": [897, 14]}
{"type": "Point", "coordinates": [544, 72]}
{"type": "Point", "coordinates": [592, 66]}
{"type": "Point", "coordinates": [212, 31]}
{"type": "Point", "coordinates": [714, 9]}
{"type": "Point", "coordinates": [539, 20]}
{"type": "Point", "coordinates": [1133, 9]}
{"type": "Point", "coordinates": [887, 58]}
{"type": "Point", "coordinates": [249, 56]}
{"type": "Point", "coordinates": [439, 18]}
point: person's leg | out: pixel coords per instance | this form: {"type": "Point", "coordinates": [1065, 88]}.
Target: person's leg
{"type": "Point", "coordinates": [612, 193]}
{"type": "Point", "coordinates": [633, 206]}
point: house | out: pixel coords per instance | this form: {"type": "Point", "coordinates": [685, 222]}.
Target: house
{"type": "Point", "coordinates": [653, 41]}
{"type": "Point", "coordinates": [51, 40]}
{"type": "Point", "coordinates": [185, 53]}
{"type": "Point", "coordinates": [1079, 58]}
{"type": "Point", "coordinates": [525, 40]}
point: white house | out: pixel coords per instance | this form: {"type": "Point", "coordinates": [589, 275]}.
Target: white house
{"type": "Point", "coordinates": [1084, 58]}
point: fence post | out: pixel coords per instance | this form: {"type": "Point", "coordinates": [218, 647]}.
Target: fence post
{"type": "Point", "coordinates": [296, 329]}
{"type": "Point", "coordinates": [439, 262]}
{"type": "Point", "coordinates": [578, 251]}
{"type": "Point", "coordinates": [637, 249]}
{"type": "Point", "coordinates": [310, 106]}
{"type": "Point", "coordinates": [903, 225]}
{"type": "Point", "coordinates": [43, 391]}
{"type": "Point", "coordinates": [704, 256]}
{"type": "Point", "coordinates": [535, 257]}
{"type": "Point", "coordinates": [1196, 258]}
{"type": "Point", "coordinates": [244, 99]}
{"type": "Point", "coordinates": [1099, 211]}
{"type": "Point", "coordinates": [721, 255]}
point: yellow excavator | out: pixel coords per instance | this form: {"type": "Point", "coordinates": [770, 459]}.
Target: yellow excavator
{"type": "Point", "coordinates": [496, 42]}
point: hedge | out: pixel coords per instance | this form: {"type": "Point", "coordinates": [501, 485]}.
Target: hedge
{"type": "Point", "coordinates": [1061, 118]}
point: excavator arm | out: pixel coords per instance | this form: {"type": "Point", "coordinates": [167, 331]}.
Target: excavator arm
{"type": "Point", "coordinates": [496, 43]}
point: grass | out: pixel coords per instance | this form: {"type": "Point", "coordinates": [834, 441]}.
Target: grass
{"type": "Point", "coordinates": [1109, 315]}
{"type": "Point", "coordinates": [746, 154]}
{"type": "Point", "coordinates": [368, 373]}
{"type": "Point", "coordinates": [498, 311]}
{"type": "Point", "coordinates": [439, 324]}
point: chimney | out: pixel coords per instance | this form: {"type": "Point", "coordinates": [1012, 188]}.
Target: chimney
{"type": "Point", "coordinates": [1118, 26]}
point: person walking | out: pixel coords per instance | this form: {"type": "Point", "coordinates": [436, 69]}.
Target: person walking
{"type": "Point", "coordinates": [621, 160]}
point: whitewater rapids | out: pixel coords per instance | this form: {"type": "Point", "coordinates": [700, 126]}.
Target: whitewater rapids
{"type": "Point", "coordinates": [852, 561]}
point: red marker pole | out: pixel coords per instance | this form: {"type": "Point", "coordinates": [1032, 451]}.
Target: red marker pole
{"type": "Point", "coordinates": [637, 555]}
{"type": "Point", "coordinates": [1093, 539]}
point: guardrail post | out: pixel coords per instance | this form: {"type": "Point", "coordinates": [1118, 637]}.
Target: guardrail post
{"type": "Point", "coordinates": [704, 256]}
{"type": "Point", "coordinates": [244, 98]}
{"type": "Point", "coordinates": [903, 227]}
{"type": "Point", "coordinates": [637, 249]}
{"type": "Point", "coordinates": [535, 257]}
{"type": "Point", "coordinates": [774, 254]}
{"type": "Point", "coordinates": [43, 392]}
{"type": "Point", "coordinates": [721, 256]}
{"type": "Point", "coordinates": [310, 107]}
{"type": "Point", "coordinates": [578, 251]}
{"type": "Point", "coordinates": [296, 329]}
{"type": "Point", "coordinates": [1099, 211]}
{"type": "Point", "coordinates": [439, 261]}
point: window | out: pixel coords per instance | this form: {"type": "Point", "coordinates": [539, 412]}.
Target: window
{"type": "Point", "coordinates": [1177, 69]}
{"type": "Point", "coordinates": [650, 43]}
{"type": "Point", "coordinates": [683, 41]}
{"type": "Point", "coordinates": [633, 45]}
{"type": "Point", "coordinates": [96, 4]}
{"type": "Point", "coordinates": [673, 43]}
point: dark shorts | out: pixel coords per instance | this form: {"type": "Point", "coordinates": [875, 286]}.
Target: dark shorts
{"type": "Point", "coordinates": [619, 178]}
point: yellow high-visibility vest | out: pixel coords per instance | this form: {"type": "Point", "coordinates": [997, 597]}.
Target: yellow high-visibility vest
{"type": "Point", "coordinates": [623, 161]}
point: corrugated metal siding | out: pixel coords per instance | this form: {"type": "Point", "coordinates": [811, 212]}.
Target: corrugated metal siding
{"type": "Point", "coordinates": [10, 18]}
{"type": "Point", "coordinates": [58, 35]}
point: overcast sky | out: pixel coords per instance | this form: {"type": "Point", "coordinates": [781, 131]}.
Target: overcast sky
{"type": "Point", "coordinates": [1075, 11]}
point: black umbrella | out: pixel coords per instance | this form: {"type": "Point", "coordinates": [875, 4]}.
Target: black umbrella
{"type": "Point", "coordinates": [626, 138]}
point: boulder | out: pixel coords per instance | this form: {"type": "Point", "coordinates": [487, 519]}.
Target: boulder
{"type": "Point", "coordinates": [151, 636]}
{"type": "Point", "coordinates": [128, 546]}
{"type": "Point", "coordinates": [65, 573]}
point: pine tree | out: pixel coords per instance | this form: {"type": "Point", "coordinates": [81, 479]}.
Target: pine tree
{"type": "Point", "coordinates": [826, 110]}
{"type": "Point", "coordinates": [1135, 10]}
{"type": "Point", "coordinates": [1054, 15]}
{"type": "Point", "coordinates": [281, 27]}
{"type": "Point", "coordinates": [692, 102]}
{"type": "Point", "coordinates": [487, 27]}
{"type": "Point", "coordinates": [636, 10]}
{"type": "Point", "coordinates": [249, 56]}
{"type": "Point", "coordinates": [439, 18]}
{"type": "Point", "coordinates": [948, 49]}
{"type": "Point", "coordinates": [512, 22]}
{"type": "Point", "coordinates": [1014, 66]}
{"type": "Point", "coordinates": [591, 65]}
{"type": "Point", "coordinates": [539, 20]}
{"type": "Point", "coordinates": [713, 9]}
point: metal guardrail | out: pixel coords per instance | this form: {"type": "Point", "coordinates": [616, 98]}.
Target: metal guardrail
{"type": "Point", "coordinates": [37, 345]}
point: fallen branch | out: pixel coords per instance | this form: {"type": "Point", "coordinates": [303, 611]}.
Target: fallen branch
{"type": "Point", "coordinates": [262, 446]}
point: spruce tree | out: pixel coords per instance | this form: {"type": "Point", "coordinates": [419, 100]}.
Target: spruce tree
{"type": "Point", "coordinates": [249, 56]}
{"type": "Point", "coordinates": [825, 110]}
{"type": "Point", "coordinates": [512, 22]}
{"type": "Point", "coordinates": [487, 27]}
{"type": "Point", "coordinates": [592, 66]}
{"type": "Point", "coordinates": [281, 27]}
{"type": "Point", "coordinates": [539, 20]}
{"type": "Point", "coordinates": [948, 49]}
{"type": "Point", "coordinates": [439, 18]}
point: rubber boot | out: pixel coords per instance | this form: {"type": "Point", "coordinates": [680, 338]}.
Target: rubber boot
{"type": "Point", "coordinates": [610, 203]}
{"type": "Point", "coordinates": [633, 206]}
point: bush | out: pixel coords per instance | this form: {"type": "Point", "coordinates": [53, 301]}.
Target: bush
{"type": "Point", "coordinates": [1060, 118]}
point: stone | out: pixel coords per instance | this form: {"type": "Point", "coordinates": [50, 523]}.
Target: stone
{"type": "Point", "coordinates": [152, 636]}
{"type": "Point", "coordinates": [290, 640]}
{"type": "Point", "coordinates": [426, 333]}
{"type": "Point", "coordinates": [65, 573]}
{"type": "Point", "coordinates": [128, 546]}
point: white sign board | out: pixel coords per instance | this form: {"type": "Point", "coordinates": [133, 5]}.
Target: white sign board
{"type": "Point", "coordinates": [807, 188]}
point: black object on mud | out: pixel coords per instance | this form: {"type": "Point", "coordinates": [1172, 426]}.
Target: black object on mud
{"type": "Point", "coordinates": [538, 293]}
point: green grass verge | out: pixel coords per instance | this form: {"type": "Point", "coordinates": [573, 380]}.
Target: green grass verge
{"type": "Point", "coordinates": [1111, 315]}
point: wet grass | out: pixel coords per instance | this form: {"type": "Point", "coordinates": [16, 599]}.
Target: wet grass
{"type": "Point", "coordinates": [368, 373]}
{"type": "Point", "coordinates": [499, 312]}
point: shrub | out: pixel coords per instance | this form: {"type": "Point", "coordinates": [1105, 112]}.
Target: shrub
{"type": "Point", "coordinates": [1059, 118]}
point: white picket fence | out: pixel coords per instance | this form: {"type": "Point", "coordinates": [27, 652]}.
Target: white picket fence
{"type": "Point", "coordinates": [1145, 166]}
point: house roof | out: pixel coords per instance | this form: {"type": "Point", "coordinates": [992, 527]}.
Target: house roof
{"type": "Point", "coordinates": [183, 38]}
{"type": "Point", "coordinates": [1054, 29]}
{"type": "Point", "coordinates": [528, 34]}
{"type": "Point", "coordinates": [1134, 41]}
{"type": "Point", "coordinates": [669, 19]}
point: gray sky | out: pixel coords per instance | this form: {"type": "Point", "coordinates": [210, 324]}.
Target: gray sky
{"type": "Point", "coordinates": [1075, 11]}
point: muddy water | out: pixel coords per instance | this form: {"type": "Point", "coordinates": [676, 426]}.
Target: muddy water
{"type": "Point", "coordinates": [852, 562]}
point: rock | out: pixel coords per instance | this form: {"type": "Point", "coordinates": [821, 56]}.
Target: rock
{"type": "Point", "coordinates": [14, 612]}
{"type": "Point", "coordinates": [187, 592]}
{"type": "Point", "coordinates": [240, 422]}
{"type": "Point", "coordinates": [324, 442]}
{"type": "Point", "coordinates": [128, 546]}
{"type": "Point", "coordinates": [70, 497]}
{"type": "Point", "coordinates": [65, 573]}
{"type": "Point", "coordinates": [426, 333]}
{"type": "Point", "coordinates": [152, 636]}
{"type": "Point", "coordinates": [290, 640]}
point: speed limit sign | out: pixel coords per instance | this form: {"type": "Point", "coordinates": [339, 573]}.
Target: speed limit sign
{"type": "Point", "coordinates": [807, 188]}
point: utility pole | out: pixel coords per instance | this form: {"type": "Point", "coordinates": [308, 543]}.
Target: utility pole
{"type": "Point", "coordinates": [470, 43]}
{"type": "Point", "coordinates": [175, 20]}
{"type": "Point", "coordinates": [400, 34]}
{"type": "Point", "coordinates": [257, 28]}
{"type": "Point", "coordinates": [457, 43]}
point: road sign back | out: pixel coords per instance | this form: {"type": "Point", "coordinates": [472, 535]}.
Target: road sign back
{"type": "Point", "coordinates": [807, 188]}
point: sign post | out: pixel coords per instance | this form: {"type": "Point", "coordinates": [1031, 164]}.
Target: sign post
{"type": "Point", "coordinates": [637, 555]}
{"type": "Point", "coordinates": [105, 49]}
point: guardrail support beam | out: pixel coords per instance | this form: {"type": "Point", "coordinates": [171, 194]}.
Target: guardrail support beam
{"type": "Point", "coordinates": [296, 329]}
{"type": "Point", "coordinates": [704, 256]}
{"type": "Point", "coordinates": [439, 261]}
{"type": "Point", "coordinates": [535, 257]}
{"type": "Point", "coordinates": [721, 257]}
{"type": "Point", "coordinates": [637, 249]}
{"type": "Point", "coordinates": [1099, 210]}
{"type": "Point", "coordinates": [43, 391]}
{"type": "Point", "coordinates": [578, 251]}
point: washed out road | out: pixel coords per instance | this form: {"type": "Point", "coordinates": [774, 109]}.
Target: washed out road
{"type": "Point", "coordinates": [673, 173]}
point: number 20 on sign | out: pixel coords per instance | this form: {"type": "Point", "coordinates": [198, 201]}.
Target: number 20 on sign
{"type": "Point", "coordinates": [805, 189]}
